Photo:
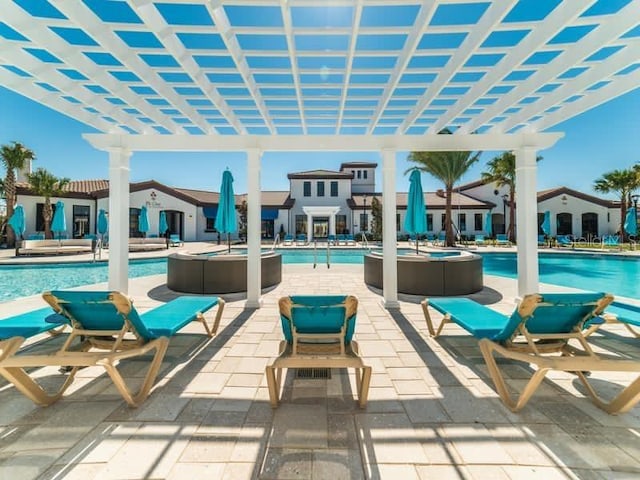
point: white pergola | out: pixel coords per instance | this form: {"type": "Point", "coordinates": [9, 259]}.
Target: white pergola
{"type": "Point", "coordinates": [329, 75]}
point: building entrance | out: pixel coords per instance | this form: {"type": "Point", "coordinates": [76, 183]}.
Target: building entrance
{"type": "Point", "coordinates": [320, 227]}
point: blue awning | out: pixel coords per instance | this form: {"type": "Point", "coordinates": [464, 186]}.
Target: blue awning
{"type": "Point", "coordinates": [210, 212]}
{"type": "Point", "coordinates": [269, 213]}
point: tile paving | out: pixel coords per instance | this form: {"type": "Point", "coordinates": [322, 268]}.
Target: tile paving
{"type": "Point", "coordinates": [432, 411]}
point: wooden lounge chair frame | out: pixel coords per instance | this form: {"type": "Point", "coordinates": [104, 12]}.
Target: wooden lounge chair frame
{"type": "Point", "coordinates": [90, 347]}
{"type": "Point", "coordinates": [318, 350]}
{"type": "Point", "coordinates": [619, 313]}
{"type": "Point", "coordinates": [551, 351]}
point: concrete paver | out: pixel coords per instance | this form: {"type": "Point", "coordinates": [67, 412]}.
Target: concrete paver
{"type": "Point", "coordinates": [432, 412]}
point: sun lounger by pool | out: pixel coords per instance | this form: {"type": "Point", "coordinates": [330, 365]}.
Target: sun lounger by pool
{"type": "Point", "coordinates": [341, 239]}
{"type": "Point", "coordinates": [538, 332]}
{"type": "Point", "coordinates": [55, 246]}
{"type": "Point", "coordinates": [502, 240]}
{"type": "Point", "coordinates": [144, 244]}
{"type": "Point", "coordinates": [610, 241]}
{"type": "Point", "coordinates": [618, 312]}
{"type": "Point", "coordinates": [288, 239]}
{"type": "Point", "coordinates": [564, 241]}
{"type": "Point", "coordinates": [349, 240]}
{"type": "Point", "coordinates": [318, 333]}
{"type": "Point", "coordinates": [105, 329]}
{"type": "Point", "coordinates": [479, 240]}
{"type": "Point", "coordinates": [175, 240]}
{"type": "Point", "coordinates": [301, 239]}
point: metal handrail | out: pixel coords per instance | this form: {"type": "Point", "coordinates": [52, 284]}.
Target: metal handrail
{"type": "Point", "coordinates": [364, 241]}
{"type": "Point", "coordinates": [276, 242]}
{"type": "Point", "coordinates": [97, 249]}
{"type": "Point", "coordinates": [315, 253]}
{"type": "Point", "coordinates": [328, 254]}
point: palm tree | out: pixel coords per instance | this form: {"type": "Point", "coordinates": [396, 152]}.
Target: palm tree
{"type": "Point", "coordinates": [502, 171]}
{"type": "Point", "coordinates": [622, 182]}
{"type": "Point", "coordinates": [448, 167]}
{"type": "Point", "coordinates": [15, 157]}
{"type": "Point", "coordinates": [47, 185]}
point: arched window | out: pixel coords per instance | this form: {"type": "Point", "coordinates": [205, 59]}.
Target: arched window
{"type": "Point", "coordinates": [589, 224]}
{"type": "Point", "coordinates": [565, 224]}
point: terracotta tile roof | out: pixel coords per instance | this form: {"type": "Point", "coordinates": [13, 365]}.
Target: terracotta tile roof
{"type": "Point", "coordinates": [431, 199]}
{"type": "Point", "coordinates": [322, 174]}
{"type": "Point", "coordinates": [201, 196]}
{"type": "Point", "coordinates": [273, 199]}
{"type": "Point", "coordinates": [556, 192]}
{"type": "Point", "coordinates": [358, 165]}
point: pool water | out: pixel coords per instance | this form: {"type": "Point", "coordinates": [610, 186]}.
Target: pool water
{"type": "Point", "coordinates": [615, 274]}
{"type": "Point", "coordinates": [23, 280]}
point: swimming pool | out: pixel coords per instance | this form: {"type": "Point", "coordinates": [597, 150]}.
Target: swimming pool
{"type": "Point", "coordinates": [612, 273]}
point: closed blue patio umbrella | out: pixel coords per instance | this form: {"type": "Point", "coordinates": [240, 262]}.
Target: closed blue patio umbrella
{"type": "Point", "coordinates": [226, 220]}
{"type": "Point", "coordinates": [415, 222]}
{"type": "Point", "coordinates": [488, 226]}
{"type": "Point", "coordinates": [17, 221]}
{"type": "Point", "coordinates": [103, 226]}
{"type": "Point", "coordinates": [630, 222]}
{"type": "Point", "coordinates": [59, 222]}
{"type": "Point", "coordinates": [546, 223]}
{"type": "Point", "coordinates": [143, 221]}
{"type": "Point", "coordinates": [162, 224]}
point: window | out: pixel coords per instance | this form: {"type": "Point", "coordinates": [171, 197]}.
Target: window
{"type": "Point", "coordinates": [565, 224]}
{"type": "Point", "coordinates": [443, 219]}
{"type": "Point", "coordinates": [210, 226]}
{"type": "Point", "coordinates": [306, 187]}
{"type": "Point", "coordinates": [359, 173]}
{"type": "Point", "coordinates": [301, 224]}
{"type": "Point", "coordinates": [477, 222]}
{"type": "Point", "coordinates": [341, 223]}
{"type": "Point", "coordinates": [430, 222]}
{"type": "Point", "coordinates": [40, 216]}
{"type": "Point", "coordinates": [364, 174]}
{"type": "Point", "coordinates": [134, 222]}
{"type": "Point", "coordinates": [397, 222]}
{"type": "Point", "coordinates": [364, 222]}
{"type": "Point", "coordinates": [334, 189]}
{"type": "Point", "coordinates": [81, 220]}
{"type": "Point", "coordinates": [462, 222]}
{"type": "Point", "coordinates": [589, 225]}
{"type": "Point", "coordinates": [320, 189]}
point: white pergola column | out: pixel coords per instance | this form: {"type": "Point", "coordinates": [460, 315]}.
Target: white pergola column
{"type": "Point", "coordinates": [332, 224]}
{"type": "Point", "coordinates": [309, 227]}
{"type": "Point", "coordinates": [119, 219]}
{"type": "Point", "coordinates": [527, 220]}
{"type": "Point", "coordinates": [254, 270]}
{"type": "Point", "coordinates": [389, 239]}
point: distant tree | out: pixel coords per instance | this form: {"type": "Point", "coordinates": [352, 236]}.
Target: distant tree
{"type": "Point", "coordinates": [14, 157]}
{"type": "Point", "coordinates": [502, 171]}
{"type": "Point", "coordinates": [242, 211]}
{"type": "Point", "coordinates": [45, 184]}
{"type": "Point", "coordinates": [376, 218]}
{"type": "Point", "coordinates": [447, 167]}
{"type": "Point", "coordinates": [622, 182]}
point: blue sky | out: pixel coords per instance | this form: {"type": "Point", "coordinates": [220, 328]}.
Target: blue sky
{"type": "Point", "coordinates": [600, 140]}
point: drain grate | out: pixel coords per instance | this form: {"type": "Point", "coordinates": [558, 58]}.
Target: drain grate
{"type": "Point", "coordinates": [313, 373]}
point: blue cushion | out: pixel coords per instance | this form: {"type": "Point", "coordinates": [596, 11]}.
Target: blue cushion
{"type": "Point", "coordinates": [318, 314]}
{"type": "Point", "coordinates": [480, 321]}
{"type": "Point", "coordinates": [27, 324]}
{"type": "Point", "coordinates": [95, 311]}
{"type": "Point", "coordinates": [625, 313]}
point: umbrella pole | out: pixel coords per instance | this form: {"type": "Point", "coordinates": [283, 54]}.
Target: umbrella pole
{"type": "Point", "coordinates": [416, 244]}
{"type": "Point", "coordinates": [229, 242]}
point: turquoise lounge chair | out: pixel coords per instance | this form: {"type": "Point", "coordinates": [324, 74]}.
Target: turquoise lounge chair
{"type": "Point", "coordinates": [349, 240]}
{"type": "Point", "coordinates": [301, 239]}
{"type": "Point", "coordinates": [502, 240]}
{"type": "Point", "coordinates": [318, 332]}
{"type": "Point", "coordinates": [479, 240]}
{"type": "Point", "coordinates": [618, 312]}
{"type": "Point", "coordinates": [331, 240]}
{"type": "Point", "coordinates": [341, 239]}
{"type": "Point", "coordinates": [538, 332]}
{"type": "Point", "coordinates": [611, 241]}
{"type": "Point", "coordinates": [106, 328]}
{"type": "Point", "coordinates": [542, 240]}
{"type": "Point", "coordinates": [175, 240]}
{"type": "Point", "coordinates": [288, 239]}
{"type": "Point", "coordinates": [564, 241]}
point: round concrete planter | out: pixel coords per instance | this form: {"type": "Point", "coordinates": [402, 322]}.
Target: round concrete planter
{"type": "Point", "coordinates": [430, 276]}
{"type": "Point", "coordinates": [218, 273]}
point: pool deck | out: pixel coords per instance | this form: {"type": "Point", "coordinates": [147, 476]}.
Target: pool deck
{"type": "Point", "coordinates": [432, 411]}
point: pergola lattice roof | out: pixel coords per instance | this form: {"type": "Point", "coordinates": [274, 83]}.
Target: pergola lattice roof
{"type": "Point", "coordinates": [320, 67]}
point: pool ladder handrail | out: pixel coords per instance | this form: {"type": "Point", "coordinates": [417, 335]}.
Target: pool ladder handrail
{"type": "Point", "coordinates": [364, 241]}
{"type": "Point", "coordinates": [315, 254]}
{"type": "Point", "coordinates": [97, 249]}
{"type": "Point", "coordinates": [276, 242]}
